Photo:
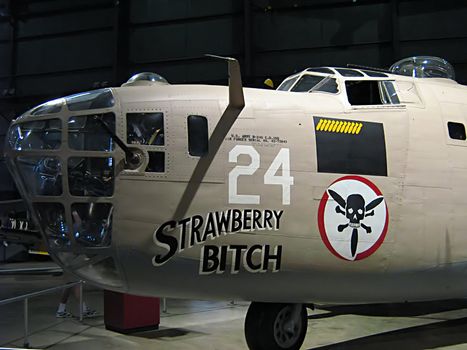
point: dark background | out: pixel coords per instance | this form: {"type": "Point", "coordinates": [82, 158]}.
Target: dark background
{"type": "Point", "coordinates": [51, 48]}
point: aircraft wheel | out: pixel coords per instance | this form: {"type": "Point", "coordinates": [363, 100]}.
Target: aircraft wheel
{"type": "Point", "coordinates": [271, 326]}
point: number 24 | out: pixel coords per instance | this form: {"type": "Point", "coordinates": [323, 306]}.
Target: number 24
{"type": "Point", "coordinates": [270, 178]}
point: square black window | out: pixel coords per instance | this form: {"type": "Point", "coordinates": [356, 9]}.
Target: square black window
{"type": "Point", "coordinates": [156, 162]}
{"type": "Point", "coordinates": [363, 92]}
{"type": "Point", "coordinates": [145, 128]}
{"type": "Point", "coordinates": [456, 131]}
{"type": "Point", "coordinates": [198, 140]}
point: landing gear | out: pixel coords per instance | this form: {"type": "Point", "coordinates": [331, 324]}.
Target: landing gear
{"type": "Point", "coordinates": [271, 326]}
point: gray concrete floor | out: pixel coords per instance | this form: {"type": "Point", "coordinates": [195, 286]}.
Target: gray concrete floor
{"type": "Point", "coordinates": [219, 325]}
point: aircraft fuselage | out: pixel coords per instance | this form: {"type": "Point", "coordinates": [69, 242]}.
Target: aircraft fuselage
{"type": "Point", "coordinates": [308, 199]}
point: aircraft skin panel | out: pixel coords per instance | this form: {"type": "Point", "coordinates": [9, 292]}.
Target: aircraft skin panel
{"type": "Point", "coordinates": [271, 220]}
{"type": "Point", "coordinates": [296, 131]}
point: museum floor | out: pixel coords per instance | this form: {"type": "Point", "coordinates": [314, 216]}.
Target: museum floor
{"type": "Point", "coordinates": [219, 325]}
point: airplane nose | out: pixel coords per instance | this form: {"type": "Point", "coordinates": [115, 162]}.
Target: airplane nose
{"type": "Point", "coordinates": [63, 163]}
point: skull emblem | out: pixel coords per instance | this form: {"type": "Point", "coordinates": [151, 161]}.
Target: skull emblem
{"type": "Point", "coordinates": [355, 210]}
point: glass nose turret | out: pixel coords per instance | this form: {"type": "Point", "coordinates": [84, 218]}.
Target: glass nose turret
{"type": "Point", "coordinates": [64, 161]}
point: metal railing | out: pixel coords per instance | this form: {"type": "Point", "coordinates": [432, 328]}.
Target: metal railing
{"type": "Point", "coordinates": [25, 298]}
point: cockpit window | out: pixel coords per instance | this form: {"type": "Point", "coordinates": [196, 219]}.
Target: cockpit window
{"type": "Point", "coordinates": [86, 133]}
{"type": "Point", "coordinates": [321, 70]}
{"type": "Point", "coordinates": [349, 72]}
{"type": "Point", "coordinates": [388, 93]}
{"type": "Point", "coordinates": [374, 74]}
{"type": "Point", "coordinates": [327, 85]}
{"type": "Point", "coordinates": [96, 99]}
{"type": "Point", "coordinates": [287, 84]}
{"type": "Point", "coordinates": [371, 92]}
{"type": "Point", "coordinates": [363, 92]}
{"type": "Point", "coordinates": [308, 82]}
{"type": "Point", "coordinates": [41, 134]}
{"type": "Point", "coordinates": [145, 128]}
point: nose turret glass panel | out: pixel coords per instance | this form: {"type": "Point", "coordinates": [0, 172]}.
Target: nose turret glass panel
{"type": "Point", "coordinates": [92, 223]}
{"type": "Point", "coordinates": [50, 107]}
{"type": "Point", "coordinates": [86, 132]}
{"type": "Point", "coordinates": [35, 135]}
{"type": "Point", "coordinates": [63, 159]}
{"type": "Point", "coordinates": [91, 177]}
{"type": "Point", "coordinates": [42, 176]}
{"type": "Point", "coordinates": [53, 224]}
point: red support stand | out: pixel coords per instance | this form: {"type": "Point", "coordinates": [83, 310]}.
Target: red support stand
{"type": "Point", "coordinates": [125, 313]}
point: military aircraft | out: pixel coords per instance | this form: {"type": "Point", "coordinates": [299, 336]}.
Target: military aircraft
{"type": "Point", "coordinates": [343, 185]}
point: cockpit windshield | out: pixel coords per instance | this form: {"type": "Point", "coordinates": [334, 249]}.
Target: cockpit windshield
{"type": "Point", "coordinates": [310, 81]}
{"type": "Point", "coordinates": [287, 84]}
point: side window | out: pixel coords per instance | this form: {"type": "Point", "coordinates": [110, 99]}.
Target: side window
{"type": "Point", "coordinates": [456, 131]}
{"type": "Point", "coordinates": [388, 93]}
{"type": "Point", "coordinates": [156, 162]}
{"type": "Point", "coordinates": [197, 135]}
{"type": "Point", "coordinates": [363, 92]}
{"type": "Point", "coordinates": [145, 129]}
{"type": "Point", "coordinates": [371, 92]}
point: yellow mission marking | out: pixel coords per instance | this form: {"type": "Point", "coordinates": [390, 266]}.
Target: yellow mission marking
{"type": "Point", "coordinates": [354, 130]}
{"type": "Point", "coordinates": [325, 125]}
{"type": "Point", "coordinates": [318, 127]}
{"type": "Point", "coordinates": [360, 125]}
{"type": "Point", "coordinates": [336, 124]}
{"type": "Point", "coordinates": [339, 126]}
{"type": "Point", "coordinates": [347, 127]}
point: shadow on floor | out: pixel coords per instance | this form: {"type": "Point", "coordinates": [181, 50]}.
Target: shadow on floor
{"type": "Point", "coordinates": [392, 310]}
{"type": "Point", "coordinates": [439, 334]}
{"type": "Point", "coordinates": [167, 333]}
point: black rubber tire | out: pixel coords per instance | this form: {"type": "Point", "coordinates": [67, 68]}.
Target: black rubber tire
{"type": "Point", "coordinates": [259, 326]}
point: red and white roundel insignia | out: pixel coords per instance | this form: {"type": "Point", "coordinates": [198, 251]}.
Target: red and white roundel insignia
{"type": "Point", "coordinates": [353, 218]}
